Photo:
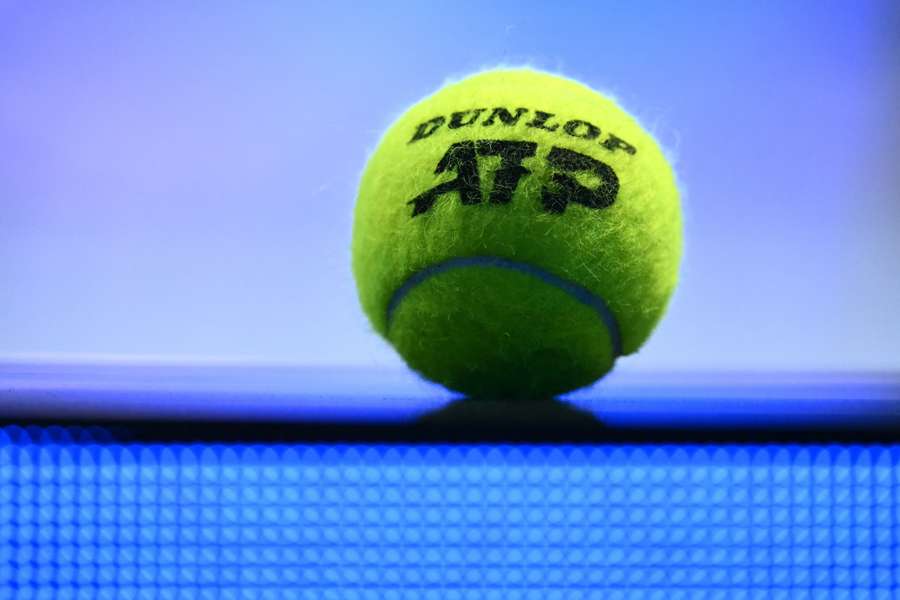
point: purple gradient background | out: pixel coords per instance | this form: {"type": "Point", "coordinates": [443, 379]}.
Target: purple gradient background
{"type": "Point", "coordinates": [177, 181]}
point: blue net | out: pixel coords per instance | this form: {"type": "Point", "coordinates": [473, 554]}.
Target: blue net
{"type": "Point", "coordinates": [84, 516]}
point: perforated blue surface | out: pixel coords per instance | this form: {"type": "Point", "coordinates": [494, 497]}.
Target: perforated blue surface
{"type": "Point", "coordinates": [85, 517]}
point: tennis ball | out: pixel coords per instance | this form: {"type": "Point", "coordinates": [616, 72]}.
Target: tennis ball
{"type": "Point", "coordinates": [514, 234]}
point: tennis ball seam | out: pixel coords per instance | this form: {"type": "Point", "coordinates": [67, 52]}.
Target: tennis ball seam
{"type": "Point", "coordinates": [575, 291]}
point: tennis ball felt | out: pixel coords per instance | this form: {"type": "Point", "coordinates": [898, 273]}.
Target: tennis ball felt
{"type": "Point", "coordinates": [514, 234]}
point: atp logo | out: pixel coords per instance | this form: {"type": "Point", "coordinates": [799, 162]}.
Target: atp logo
{"type": "Point", "coordinates": [462, 158]}
{"type": "Point", "coordinates": [565, 165]}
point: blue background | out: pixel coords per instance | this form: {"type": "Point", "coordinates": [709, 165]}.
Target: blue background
{"type": "Point", "coordinates": [177, 181]}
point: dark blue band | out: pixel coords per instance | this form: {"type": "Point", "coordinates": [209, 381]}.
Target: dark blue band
{"type": "Point", "coordinates": [578, 292]}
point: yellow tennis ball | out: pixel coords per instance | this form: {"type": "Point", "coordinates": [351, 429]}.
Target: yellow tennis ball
{"type": "Point", "coordinates": [514, 234]}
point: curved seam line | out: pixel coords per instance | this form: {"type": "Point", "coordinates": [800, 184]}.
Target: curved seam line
{"type": "Point", "coordinates": [576, 291]}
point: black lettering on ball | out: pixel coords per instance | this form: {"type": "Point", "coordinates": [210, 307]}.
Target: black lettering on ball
{"type": "Point", "coordinates": [540, 121]}
{"type": "Point", "coordinates": [462, 157]}
{"type": "Point", "coordinates": [613, 143]}
{"type": "Point", "coordinates": [581, 129]}
{"type": "Point", "coordinates": [505, 116]}
{"type": "Point", "coordinates": [567, 163]}
{"type": "Point", "coordinates": [458, 119]}
{"type": "Point", "coordinates": [427, 128]}
{"type": "Point", "coordinates": [507, 176]}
